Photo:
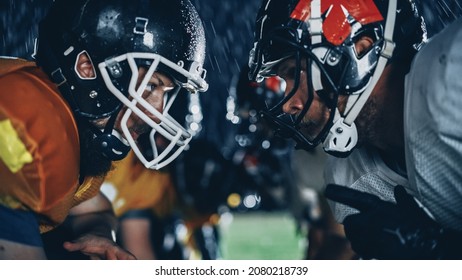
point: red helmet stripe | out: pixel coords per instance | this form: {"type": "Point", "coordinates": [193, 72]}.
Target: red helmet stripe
{"type": "Point", "coordinates": [336, 27]}
{"type": "Point", "coordinates": [302, 10]}
{"type": "Point", "coordinates": [274, 84]}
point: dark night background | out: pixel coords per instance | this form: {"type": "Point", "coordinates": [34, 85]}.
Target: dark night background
{"type": "Point", "coordinates": [229, 30]}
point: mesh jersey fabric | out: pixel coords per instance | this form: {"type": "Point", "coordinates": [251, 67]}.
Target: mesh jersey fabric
{"type": "Point", "coordinates": [433, 138]}
{"type": "Point", "coordinates": [433, 122]}
{"type": "Point", "coordinates": [35, 117]}
{"type": "Point", "coordinates": [365, 171]}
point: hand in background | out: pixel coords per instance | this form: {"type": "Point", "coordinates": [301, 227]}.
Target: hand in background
{"type": "Point", "coordinates": [97, 247]}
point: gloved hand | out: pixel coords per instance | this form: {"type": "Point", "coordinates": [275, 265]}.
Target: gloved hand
{"type": "Point", "coordinates": [385, 230]}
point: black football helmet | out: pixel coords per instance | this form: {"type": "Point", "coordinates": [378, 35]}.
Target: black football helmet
{"type": "Point", "coordinates": [119, 37]}
{"type": "Point", "coordinates": [246, 100]}
{"type": "Point", "coordinates": [321, 35]}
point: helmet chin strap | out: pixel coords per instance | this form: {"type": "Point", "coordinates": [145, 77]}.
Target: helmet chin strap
{"type": "Point", "coordinates": [343, 135]}
{"type": "Point", "coordinates": [109, 142]}
{"type": "Point", "coordinates": [342, 138]}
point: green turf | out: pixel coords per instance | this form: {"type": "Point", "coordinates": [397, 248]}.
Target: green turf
{"type": "Point", "coordinates": [261, 236]}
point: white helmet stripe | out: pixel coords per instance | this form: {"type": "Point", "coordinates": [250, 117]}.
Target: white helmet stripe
{"type": "Point", "coordinates": [316, 22]}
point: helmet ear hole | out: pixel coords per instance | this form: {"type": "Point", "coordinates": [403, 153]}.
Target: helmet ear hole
{"type": "Point", "coordinates": [84, 66]}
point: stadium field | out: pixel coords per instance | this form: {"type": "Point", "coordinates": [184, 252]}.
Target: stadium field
{"type": "Point", "coordinates": [261, 236]}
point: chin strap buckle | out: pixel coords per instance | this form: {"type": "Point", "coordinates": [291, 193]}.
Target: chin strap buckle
{"type": "Point", "coordinates": [342, 138]}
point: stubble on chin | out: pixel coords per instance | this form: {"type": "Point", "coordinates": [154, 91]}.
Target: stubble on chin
{"type": "Point", "coordinates": [366, 123]}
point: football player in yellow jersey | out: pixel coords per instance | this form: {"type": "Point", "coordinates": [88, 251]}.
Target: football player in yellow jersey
{"type": "Point", "coordinates": [138, 196]}
{"type": "Point", "coordinates": [106, 72]}
{"type": "Point", "coordinates": [148, 202]}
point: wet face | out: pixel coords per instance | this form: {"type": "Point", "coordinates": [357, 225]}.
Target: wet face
{"type": "Point", "coordinates": [93, 163]}
{"type": "Point", "coordinates": [154, 93]}
{"type": "Point", "coordinates": [317, 116]}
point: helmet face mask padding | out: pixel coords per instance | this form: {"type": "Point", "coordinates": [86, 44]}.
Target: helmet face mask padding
{"type": "Point", "coordinates": [326, 36]}
{"type": "Point", "coordinates": [120, 37]}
